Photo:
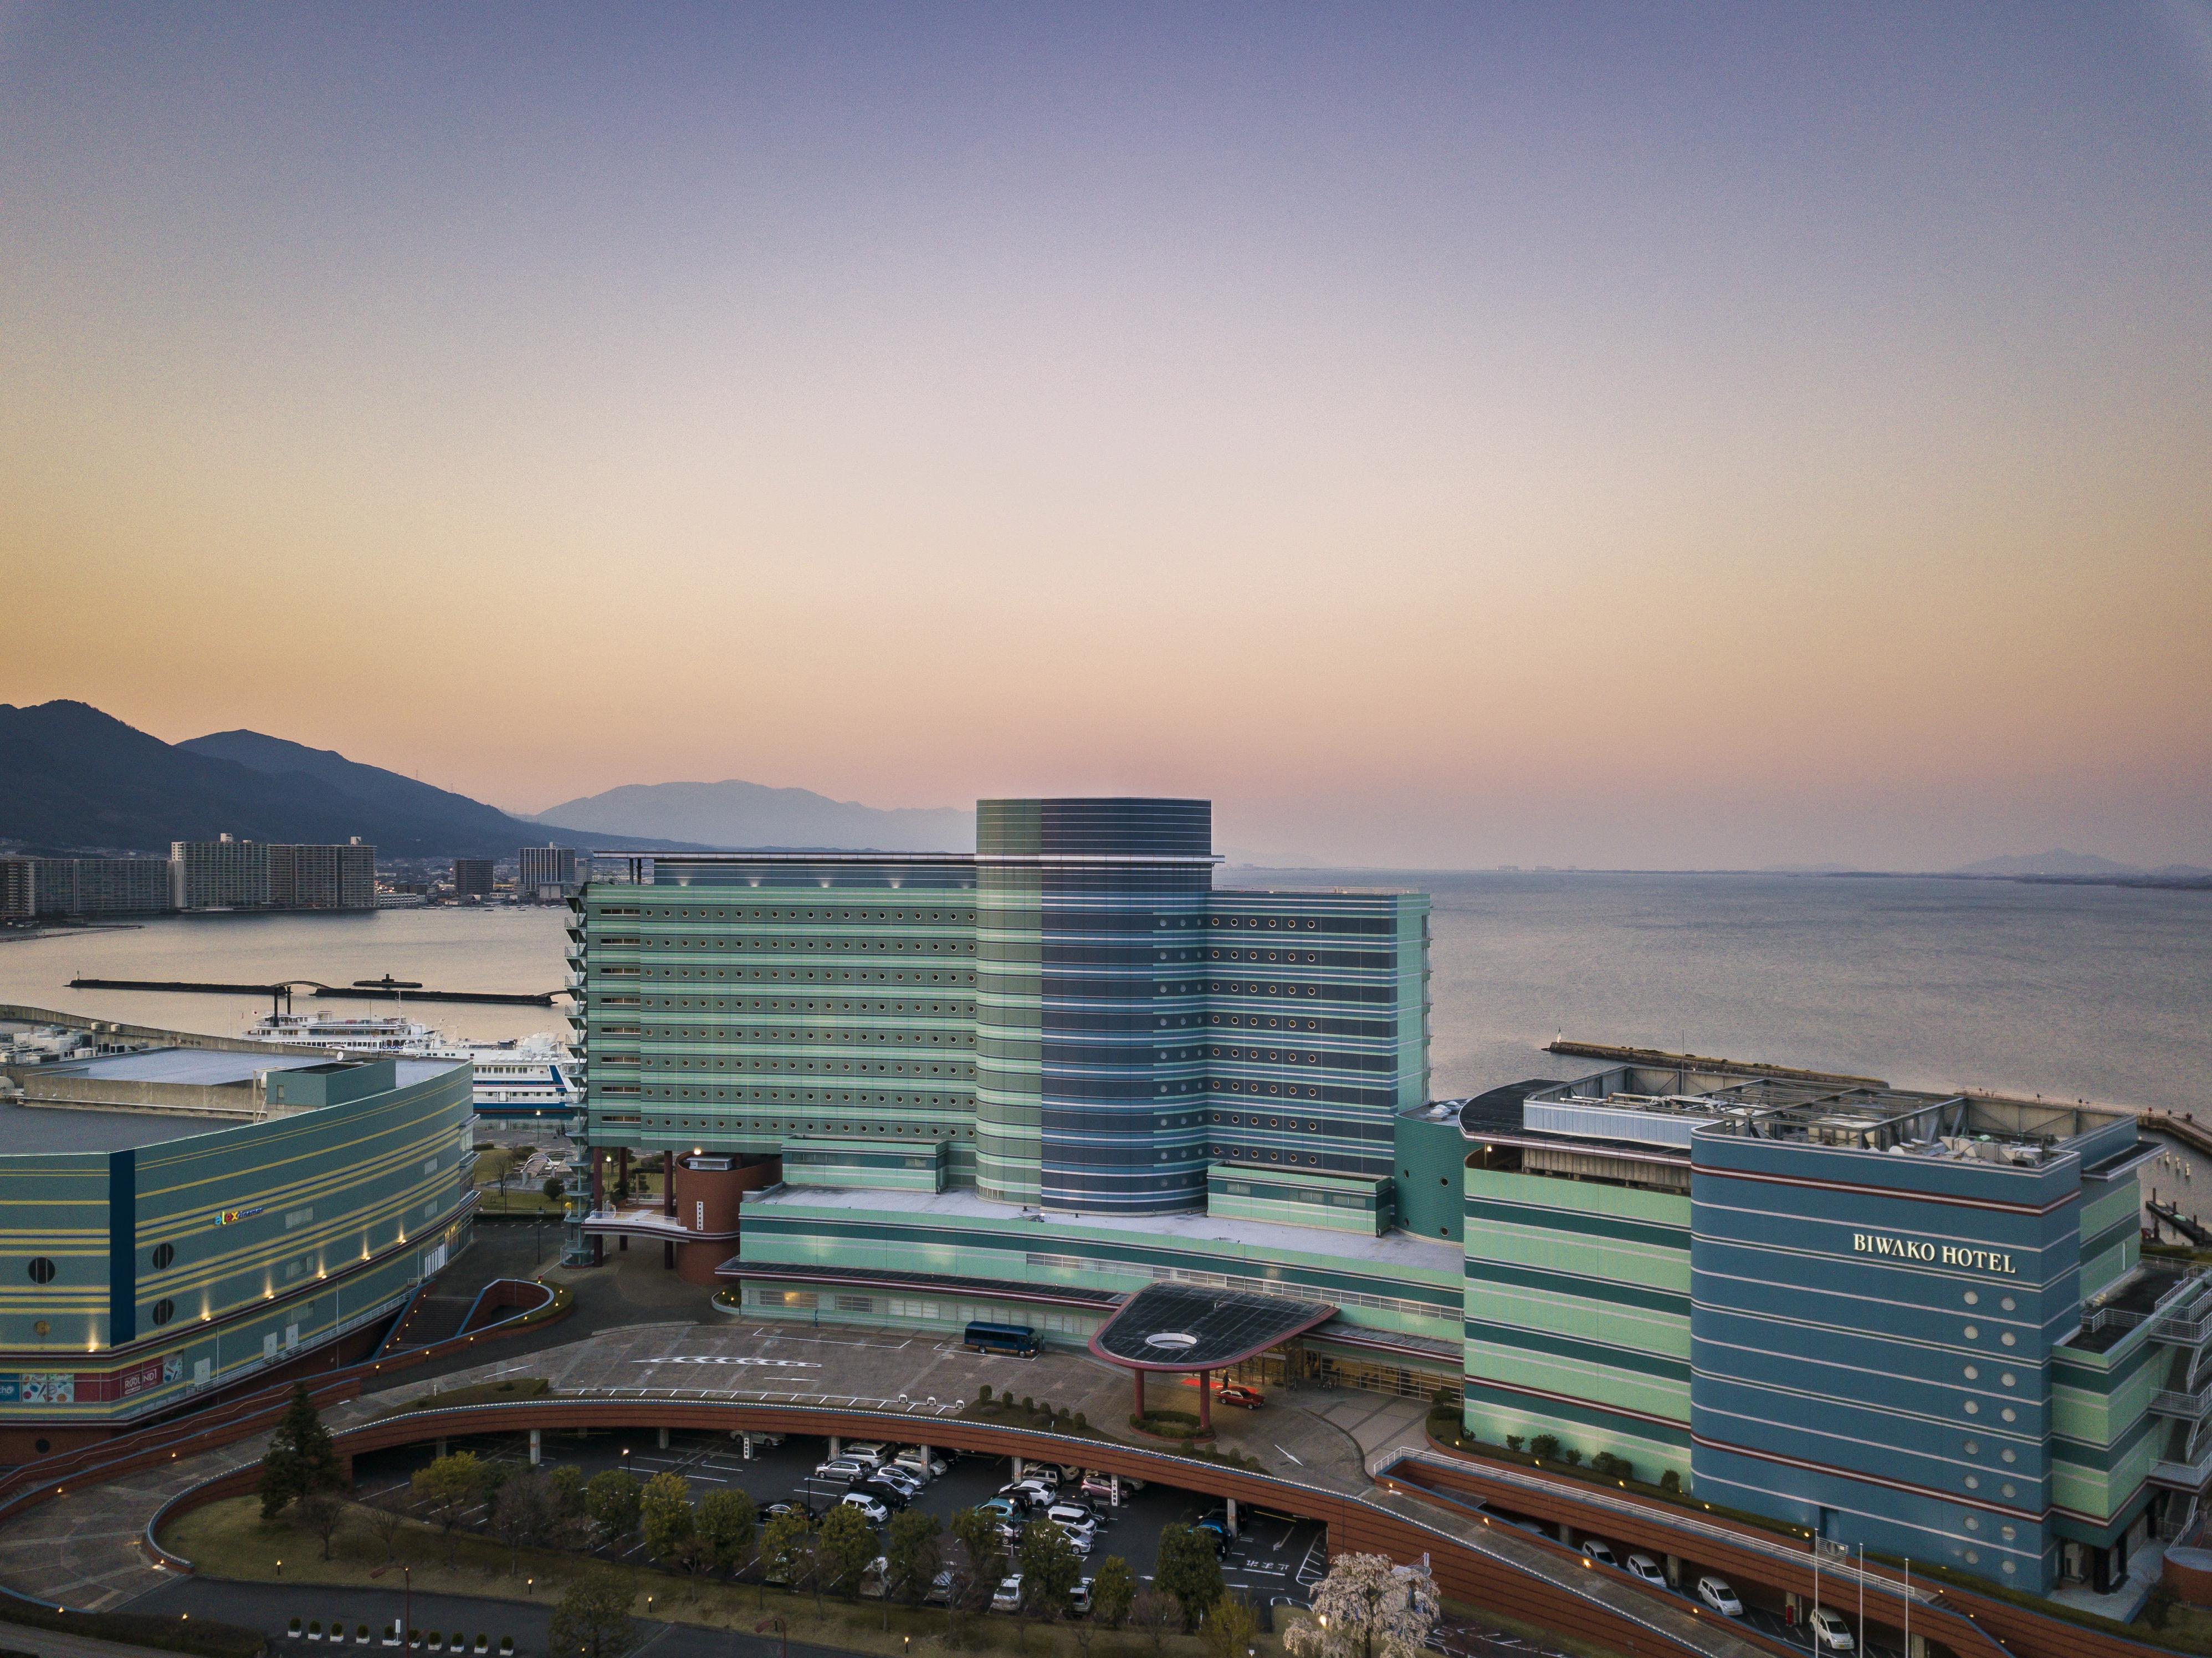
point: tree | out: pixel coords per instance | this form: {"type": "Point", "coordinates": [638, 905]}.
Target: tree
{"type": "Point", "coordinates": [554, 1187]}
{"type": "Point", "coordinates": [727, 1523]}
{"type": "Point", "coordinates": [1114, 1591]}
{"type": "Point", "coordinates": [911, 1556]}
{"type": "Point", "coordinates": [1155, 1615]}
{"type": "Point", "coordinates": [785, 1548]}
{"type": "Point", "coordinates": [982, 1558]}
{"type": "Point", "coordinates": [301, 1458]}
{"type": "Point", "coordinates": [1049, 1568]}
{"type": "Point", "coordinates": [449, 1487]}
{"type": "Point", "coordinates": [665, 1515]}
{"type": "Point", "coordinates": [613, 1500]}
{"type": "Point", "coordinates": [525, 1513]}
{"type": "Point", "coordinates": [1228, 1629]}
{"type": "Point", "coordinates": [1366, 1607]}
{"type": "Point", "coordinates": [844, 1543]}
{"type": "Point", "coordinates": [1545, 1446]}
{"type": "Point", "coordinates": [386, 1524]}
{"type": "Point", "coordinates": [321, 1512]}
{"type": "Point", "coordinates": [568, 1487]}
{"type": "Point", "coordinates": [592, 1621]}
{"type": "Point", "coordinates": [1190, 1570]}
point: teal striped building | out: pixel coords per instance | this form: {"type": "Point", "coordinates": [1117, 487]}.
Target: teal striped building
{"type": "Point", "coordinates": [152, 1254]}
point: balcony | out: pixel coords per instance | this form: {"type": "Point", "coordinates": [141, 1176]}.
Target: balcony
{"type": "Point", "coordinates": [2190, 1407]}
{"type": "Point", "coordinates": [2184, 1476]}
{"type": "Point", "coordinates": [572, 980]}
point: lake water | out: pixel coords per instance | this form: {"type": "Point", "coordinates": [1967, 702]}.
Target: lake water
{"type": "Point", "coordinates": [2091, 992]}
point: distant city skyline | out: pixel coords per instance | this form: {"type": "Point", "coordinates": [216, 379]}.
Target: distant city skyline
{"type": "Point", "coordinates": [1717, 437]}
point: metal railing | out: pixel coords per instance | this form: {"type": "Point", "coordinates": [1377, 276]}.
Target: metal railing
{"type": "Point", "coordinates": [2171, 1401]}
{"type": "Point", "coordinates": [2182, 1476]}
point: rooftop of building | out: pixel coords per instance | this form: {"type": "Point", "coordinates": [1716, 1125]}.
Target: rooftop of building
{"type": "Point", "coordinates": [1648, 1107]}
{"type": "Point", "coordinates": [44, 1130]}
{"type": "Point", "coordinates": [1263, 1239]}
{"type": "Point", "coordinates": [204, 1067]}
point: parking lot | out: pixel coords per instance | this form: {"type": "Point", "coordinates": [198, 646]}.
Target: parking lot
{"type": "Point", "coordinates": [1760, 1613]}
{"type": "Point", "coordinates": [1272, 1560]}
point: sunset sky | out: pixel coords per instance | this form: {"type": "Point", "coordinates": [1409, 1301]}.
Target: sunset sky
{"type": "Point", "coordinates": [1641, 435]}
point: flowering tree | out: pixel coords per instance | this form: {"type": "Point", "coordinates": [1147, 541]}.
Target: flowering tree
{"type": "Point", "coordinates": [1367, 1607]}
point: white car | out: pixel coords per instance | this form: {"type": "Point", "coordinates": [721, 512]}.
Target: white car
{"type": "Point", "coordinates": [1600, 1551]}
{"type": "Point", "coordinates": [872, 1509]}
{"type": "Point", "coordinates": [1071, 1515]}
{"type": "Point", "coordinates": [871, 1452]}
{"type": "Point", "coordinates": [911, 1459]}
{"type": "Point", "coordinates": [1008, 1597]}
{"type": "Point", "coordinates": [1644, 1567]}
{"type": "Point", "coordinates": [1831, 1633]}
{"type": "Point", "coordinates": [1715, 1594]}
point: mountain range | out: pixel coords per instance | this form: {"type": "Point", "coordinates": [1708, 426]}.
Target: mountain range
{"type": "Point", "coordinates": [739, 814]}
{"type": "Point", "coordinates": [2083, 864]}
{"type": "Point", "coordinates": [73, 778]}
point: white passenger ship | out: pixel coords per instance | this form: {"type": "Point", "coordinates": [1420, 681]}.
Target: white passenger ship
{"type": "Point", "coordinates": [533, 1077]}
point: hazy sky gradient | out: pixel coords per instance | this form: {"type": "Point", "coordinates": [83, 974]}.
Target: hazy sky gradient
{"type": "Point", "coordinates": [1448, 435]}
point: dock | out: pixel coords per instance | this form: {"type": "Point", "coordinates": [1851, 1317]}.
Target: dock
{"type": "Point", "coordinates": [315, 987]}
{"type": "Point", "coordinates": [1658, 1058]}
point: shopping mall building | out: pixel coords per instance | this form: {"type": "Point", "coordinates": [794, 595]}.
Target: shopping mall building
{"type": "Point", "coordinates": [915, 1090]}
{"type": "Point", "coordinates": [179, 1221]}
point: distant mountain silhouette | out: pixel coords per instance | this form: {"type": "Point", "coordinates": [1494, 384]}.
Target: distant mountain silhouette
{"type": "Point", "coordinates": [752, 815]}
{"type": "Point", "coordinates": [72, 778]}
{"type": "Point", "coordinates": [2049, 863]}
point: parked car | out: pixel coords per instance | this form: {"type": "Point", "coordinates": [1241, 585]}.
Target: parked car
{"type": "Point", "coordinates": [1008, 1597]}
{"type": "Point", "coordinates": [1715, 1594]}
{"type": "Point", "coordinates": [876, 1581]}
{"type": "Point", "coordinates": [871, 1509]}
{"type": "Point", "coordinates": [1830, 1632]}
{"type": "Point", "coordinates": [840, 1468]}
{"type": "Point", "coordinates": [1078, 1598]}
{"type": "Point", "coordinates": [899, 1479]}
{"type": "Point", "coordinates": [1044, 1473]}
{"type": "Point", "coordinates": [1643, 1566]}
{"type": "Point", "coordinates": [1097, 1485]}
{"type": "Point", "coordinates": [776, 1508]}
{"type": "Point", "coordinates": [1030, 1493]}
{"type": "Point", "coordinates": [870, 1452]}
{"type": "Point", "coordinates": [889, 1495]}
{"type": "Point", "coordinates": [1237, 1393]}
{"type": "Point", "coordinates": [1071, 1513]}
{"type": "Point", "coordinates": [1217, 1529]}
{"type": "Point", "coordinates": [1005, 1507]}
{"type": "Point", "coordinates": [1600, 1551]}
{"type": "Point", "coordinates": [940, 1590]}
{"type": "Point", "coordinates": [930, 1467]}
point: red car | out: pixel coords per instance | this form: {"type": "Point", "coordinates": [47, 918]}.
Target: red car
{"type": "Point", "coordinates": [1236, 1393]}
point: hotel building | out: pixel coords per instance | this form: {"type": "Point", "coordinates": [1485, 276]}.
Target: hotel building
{"type": "Point", "coordinates": [912, 1090]}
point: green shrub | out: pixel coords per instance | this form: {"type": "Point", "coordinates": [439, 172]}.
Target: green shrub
{"type": "Point", "coordinates": [1545, 1446]}
{"type": "Point", "coordinates": [1671, 1483]}
{"type": "Point", "coordinates": [1514, 1442]}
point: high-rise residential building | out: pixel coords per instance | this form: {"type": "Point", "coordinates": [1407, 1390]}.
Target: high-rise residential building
{"type": "Point", "coordinates": [472, 877]}
{"type": "Point", "coordinates": [224, 873]}
{"type": "Point", "coordinates": [547, 874]}
{"type": "Point", "coordinates": [84, 886]}
{"type": "Point", "coordinates": [322, 877]}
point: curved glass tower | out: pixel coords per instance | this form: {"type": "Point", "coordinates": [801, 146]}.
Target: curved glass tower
{"type": "Point", "coordinates": [1091, 1070]}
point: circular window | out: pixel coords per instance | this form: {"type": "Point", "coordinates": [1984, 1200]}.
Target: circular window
{"type": "Point", "coordinates": [1171, 1341]}
{"type": "Point", "coordinates": [42, 1328]}
{"type": "Point", "coordinates": [164, 1310]}
{"type": "Point", "coordinates": [164, 1255]}
{"type": "Point", "coordinates": [41, 1270]}
{"type": "Point", "coordinates": [41, 1446]}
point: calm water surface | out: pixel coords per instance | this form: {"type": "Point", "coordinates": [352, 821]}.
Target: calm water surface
{"type": "Point", "coordinates": [2095, 992]}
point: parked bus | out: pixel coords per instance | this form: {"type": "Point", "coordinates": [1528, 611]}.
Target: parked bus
{"type": "Point", "coordinates": [1017, 1339]}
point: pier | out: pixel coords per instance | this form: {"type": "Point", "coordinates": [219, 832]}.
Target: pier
{"type": "Point", "coordinates": [364, 991]}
